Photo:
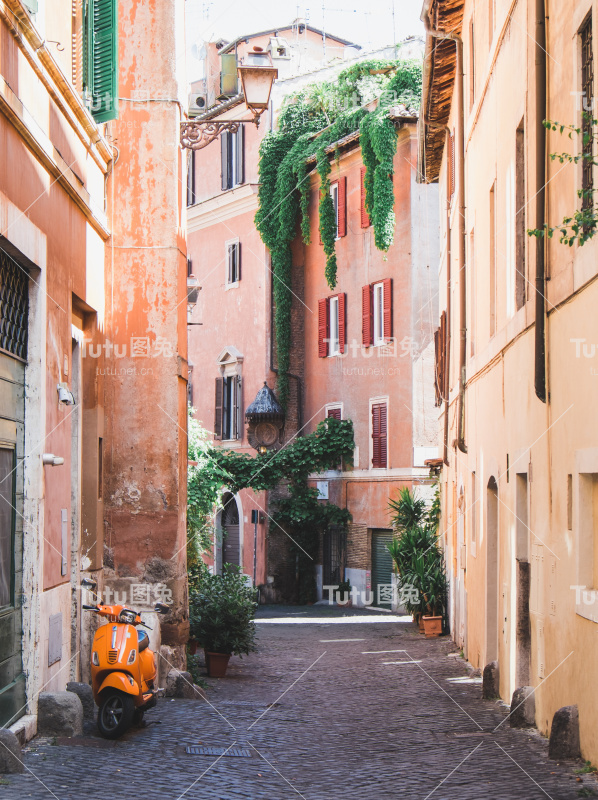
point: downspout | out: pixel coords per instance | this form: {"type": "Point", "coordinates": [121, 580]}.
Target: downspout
{"type": "Point", "coordinates": [541, 242]}
{"type": "Point", "coordinates": [274, 369]}
{"type": "Point", "coordinates": [460, 149]}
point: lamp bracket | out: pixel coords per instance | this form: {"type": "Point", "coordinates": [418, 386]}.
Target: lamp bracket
{"type": "Point", "coordinates": [195, 134]}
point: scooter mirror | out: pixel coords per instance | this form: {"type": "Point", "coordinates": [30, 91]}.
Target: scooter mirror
{"type": "Point", "coordinates": [161, 608]}
{"type": "Point", "coordinates": [87, 584]}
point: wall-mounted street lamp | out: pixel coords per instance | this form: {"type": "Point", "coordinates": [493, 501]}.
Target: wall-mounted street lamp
{"type": "Point", "coordinates": [257, 76]}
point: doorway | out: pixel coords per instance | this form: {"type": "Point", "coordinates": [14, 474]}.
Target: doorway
{"type": "Point", "coordinates": [335, 546]}
{"type": "Point", "coordinates": [382, 568]}
{"type": "Point", "coordinates": [231, 544]}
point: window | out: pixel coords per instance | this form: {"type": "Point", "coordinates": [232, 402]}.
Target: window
{"type": "Point", "coordinates": [14, 306]}
{"type": "Point", "coordinates": [191, 179]}
{"type": "Point", "coordinates": [587, 88]}
{"type": "Point", "coordinates": [233, 262]}
{"type": "Point", "coordinates": [474, 513]}
{"type": "Point", "coordinates": [450, 183]}
{"type": "Point", "coordinates": [232, 152]}
{"type": "Point", "coordinates": [472, 291]}
{"type": "Point", "coordinates": [227, 423]}
{"type": "Point", "coordinates": [440, 376]}
{"type": "Point", "coordinates": [471, 63]}
{"type": "Point", "coordinates": [378, 298]}
{"type": "Point", "coordinates": [335, 412]}
{"type": "Point", "coordinates": [520, 221]}
{"type": "Point", "coordinates": [334, 195]}
{"type": "Point", "coordinates": [100, 58]}
{"type": "Point", "coordinates": [379, 436]}
{"type": "Point", "coordinates": [338, 193]}
{"type": "Point", "coordinates": [334, 327]}
{"type": "Point", "coordinates": [376, 310]}
{"type": "Point", "coordinates": [492, 254]}
{"type": "Point", "coordinates": [332, 334]}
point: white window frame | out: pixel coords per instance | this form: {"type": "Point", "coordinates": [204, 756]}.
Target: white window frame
{"type": "Point", "coordinates": [233, 161]}
{"type": "Point", "coordinates": [378, 314]}
{"type": "Point", "coordinates": [333, 327]}
{"type": "Point", "coordinates": [228, 284]}
{"type": "Point", "coordinates": [334, 195]}
{"type": "Point", "coordinates": [332, 407]}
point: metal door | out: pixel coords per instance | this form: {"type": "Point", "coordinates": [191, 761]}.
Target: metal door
{"type": "Point", "coordinates": [381, 567]}
{"type": "Point", "coordinates": [335, 545]}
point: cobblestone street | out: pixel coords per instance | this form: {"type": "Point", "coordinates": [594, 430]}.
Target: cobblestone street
{"type": "Point", "coordinates": [335, 705]}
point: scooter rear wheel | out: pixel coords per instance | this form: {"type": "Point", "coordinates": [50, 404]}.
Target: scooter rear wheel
{"type": "Point", "coordinates": [115, 714]}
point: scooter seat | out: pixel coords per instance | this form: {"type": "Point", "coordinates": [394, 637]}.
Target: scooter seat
{"type": "Point", "coordinates": [143, 640]}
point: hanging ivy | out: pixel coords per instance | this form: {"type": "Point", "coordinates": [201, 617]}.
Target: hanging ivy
{"type": "Point", "coordinates": [310, 121]}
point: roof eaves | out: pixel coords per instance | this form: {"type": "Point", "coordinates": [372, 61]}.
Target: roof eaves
{"type": "Point", "coordinates": [231, 45]}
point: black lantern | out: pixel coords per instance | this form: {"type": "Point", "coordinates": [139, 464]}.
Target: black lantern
{"type": "Point", "coordinates": [265, 420]}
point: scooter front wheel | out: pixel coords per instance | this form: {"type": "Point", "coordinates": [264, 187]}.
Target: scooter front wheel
{"type": "Point", "coordinates": [115, 714]}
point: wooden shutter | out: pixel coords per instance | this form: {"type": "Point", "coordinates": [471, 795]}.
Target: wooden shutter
{"type": "Point", "coordinates": [387, 300]}
{"type": "Point", "coordinates": [236, 409]}
{"type": "Point", "coordinates": [323, 312]}
{"type": "Point", "coordinates": [101, 58]}
{"type": "Point", "coordinates": [342, 322]}
{"type": "Point", "coordinates": [379, 436]}
{"type": "Point", "coordinates": [365, 219]}
{"type": "Point", "coordinates": [240, 154]}
{"type": "Point", "coordinates": [218, 408]}
{"type": "Point", "coordinates": [342, 206]}
{"type": "Point", "coordinates": [334, 413]}
{"type": "Point", "coordinates": [238, 248]}
{"type": "Point", "coordinates": [224, 163]}
{"type": "Point", "coordinates": [366, 315]}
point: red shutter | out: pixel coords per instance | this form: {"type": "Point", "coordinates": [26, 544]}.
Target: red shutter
{"type": "Point", "coordinates": [218, 408]}
{"type": "Point", "coordinates": [335, 413]}
{"type": "Point", "coordinates": [323, 328]}
{"type": "Point", "coordinates": [365, 219]}
{"type": "Point", "coordinates": [366, 316]}
{"type": "Point", "coordinates": [342, 206]}
{"type": "Point", "coordinates": [342, 322]}
{"type": "Point", "coordinates": [387, 291]}
{"type": "Point", "coordinates": [379, 436]}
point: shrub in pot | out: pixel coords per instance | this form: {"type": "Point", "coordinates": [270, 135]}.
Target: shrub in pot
{"type": "Point", "coordinates": [221, 614]}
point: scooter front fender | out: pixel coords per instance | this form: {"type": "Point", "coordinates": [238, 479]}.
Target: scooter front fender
{"type": "Point", "coordinates": [120, 681]}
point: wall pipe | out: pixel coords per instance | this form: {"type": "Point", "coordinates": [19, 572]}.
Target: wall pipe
{"type": "Point", "coordinates": [541, 243]}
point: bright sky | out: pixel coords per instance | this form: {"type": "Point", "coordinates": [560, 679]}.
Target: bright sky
{"type": "Point", "coordinates": [366, 22]}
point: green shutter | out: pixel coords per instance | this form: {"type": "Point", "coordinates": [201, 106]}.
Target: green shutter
{"type": "Point", "coordinates": [100, 58]}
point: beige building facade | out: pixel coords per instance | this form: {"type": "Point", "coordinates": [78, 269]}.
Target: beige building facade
{"type": "Point", "coordinates": [516, 346]}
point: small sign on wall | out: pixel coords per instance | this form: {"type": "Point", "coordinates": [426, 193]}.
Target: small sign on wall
{"type": "Point", "coordinates": [322, 490]}
{"type": "Point", "coordinates": [54, 639]}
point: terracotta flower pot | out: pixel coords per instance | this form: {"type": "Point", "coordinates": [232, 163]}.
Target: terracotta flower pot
{"type": "Point", "coordinates": [432, 626]}
{"type": "Point", "coordinates": [216, 664]}
{"type": "Point", "coordinates": [420, 622]}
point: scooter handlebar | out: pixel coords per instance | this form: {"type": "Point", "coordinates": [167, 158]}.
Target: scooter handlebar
{"type": "Point", "coordinates": [90, 608]}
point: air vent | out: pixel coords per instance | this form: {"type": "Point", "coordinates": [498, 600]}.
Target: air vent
{"type": "Point", "coordinates": [112, 656]}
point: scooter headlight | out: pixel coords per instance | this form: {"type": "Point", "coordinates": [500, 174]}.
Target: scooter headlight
{"type": "Point", "coordinates": [132, 657]}
{"type": "Point", "coordinates": [128, 616]}
{"type": "Point", "coordinates": [95, 659]}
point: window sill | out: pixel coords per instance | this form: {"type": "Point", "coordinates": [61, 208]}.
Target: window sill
{"type": "Point", "coordinates": [234, 285]}
{"type": "Point", "coordinates": [588, 611]}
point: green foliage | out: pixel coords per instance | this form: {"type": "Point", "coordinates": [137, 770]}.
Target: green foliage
{"type": "Point", "coordinates": [582, 225]}
{"type": "Point", "coordinates": [221, 613]}
{"type": "Point", "coordinates": [310, 121]}
{"type": "Point", "coordinates": [415, 551]}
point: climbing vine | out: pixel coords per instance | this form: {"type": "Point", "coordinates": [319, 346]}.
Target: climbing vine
{"type": "Point", "coordinates": [301, 512]}
{"type": "Point", "coordinates": [310, 121]}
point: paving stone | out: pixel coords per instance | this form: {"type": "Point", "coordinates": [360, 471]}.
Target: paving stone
{"type": "Point", "coordinates": [333, 718]}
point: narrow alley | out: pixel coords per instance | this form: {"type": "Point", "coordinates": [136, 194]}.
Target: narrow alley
{"type": "Point", "coordinates": [336, 703]}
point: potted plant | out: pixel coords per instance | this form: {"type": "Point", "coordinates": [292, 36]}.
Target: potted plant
{"type": "Point", "coordinates": [434, 592]}
{"type": "Point", "coordinates": [343, 593]}
{"type": "Point", "coordinates": [221, 614]}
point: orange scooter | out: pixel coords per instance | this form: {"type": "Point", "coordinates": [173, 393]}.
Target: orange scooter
{"type": "Point", "coordinates": [123, 669]}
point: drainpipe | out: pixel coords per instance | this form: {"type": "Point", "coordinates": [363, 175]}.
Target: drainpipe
{"type": "Point", "coordinates": [460, 149]}
{"type": "Point", "coordinates": [541, 243]}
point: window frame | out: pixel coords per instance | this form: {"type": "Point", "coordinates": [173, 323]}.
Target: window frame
{"type": "Point", "coordinates": [334, 194]}
{"type": "Point", "coordinates": [236, 244]}
{"type": "Point", "coordinates": [333, 325]}
{"type": "Point", "coordinates": [378, 314]}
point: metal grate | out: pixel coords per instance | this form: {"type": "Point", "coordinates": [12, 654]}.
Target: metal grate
{"type": "Point", "coordinates": [587, 87]}
{"type": "Point", "coordinates": [237, 752]}
{"type": "Point", "coordinates": [112, 656]}
{"type": "Point", "coordinates": [14, 306]}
